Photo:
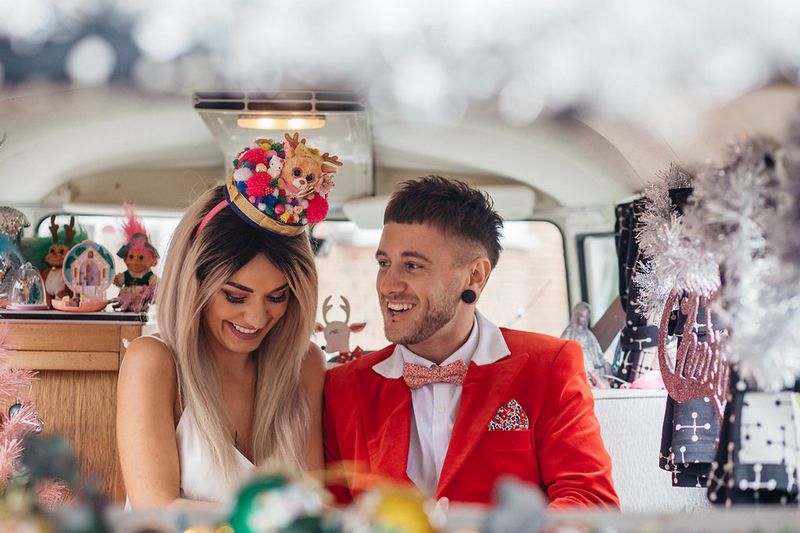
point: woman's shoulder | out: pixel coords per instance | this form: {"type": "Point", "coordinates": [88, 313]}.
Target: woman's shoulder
{"type": "Point", "coordinates": [312, 372]}
{"type": "Point", "coordinates": [149, 357]}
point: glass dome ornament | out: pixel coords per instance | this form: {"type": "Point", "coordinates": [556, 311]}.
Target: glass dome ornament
{"type": "Point", "coordinates": [27, 290]}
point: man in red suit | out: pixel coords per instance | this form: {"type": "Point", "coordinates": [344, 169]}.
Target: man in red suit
{"type": "Point", "coordinates": [456, 403]}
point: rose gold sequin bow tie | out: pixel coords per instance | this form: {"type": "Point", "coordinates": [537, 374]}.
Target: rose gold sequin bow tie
{"type": "Point", "coordinates": [417, 376]}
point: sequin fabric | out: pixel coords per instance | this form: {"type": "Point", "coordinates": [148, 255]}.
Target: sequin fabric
{"type": "Point", "coordinates": [417, 376]}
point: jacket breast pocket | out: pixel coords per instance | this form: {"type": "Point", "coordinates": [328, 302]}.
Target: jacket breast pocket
{"type": "Point", "coordinates": [507, 440]}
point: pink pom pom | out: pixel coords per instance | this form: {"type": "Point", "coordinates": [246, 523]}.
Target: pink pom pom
{"type": "Point", "coordinates": [317, 210]}
{"type": "Point", "coordinates": [254, 155]}
{"type": "Point", "coordinates": [258, 184]}
{"type": "Point", "coordinates": [279, 209]}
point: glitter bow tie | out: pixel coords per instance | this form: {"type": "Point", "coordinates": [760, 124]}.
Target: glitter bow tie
{"type": "Point", "coordinates": [417, 376]}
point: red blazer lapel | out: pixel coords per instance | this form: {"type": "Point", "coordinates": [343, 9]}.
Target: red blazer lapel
{"type": "Point", "coordinates": [484, 391]}
{"type": "Point", "coordinates": [386, 414]}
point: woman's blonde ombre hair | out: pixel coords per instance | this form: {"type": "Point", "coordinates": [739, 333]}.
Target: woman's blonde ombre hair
{"type": "Point", "coordinates": [195, 269]}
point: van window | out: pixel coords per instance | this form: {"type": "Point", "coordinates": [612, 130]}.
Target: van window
{"type": "Point", "coordinates": [527, 290]}
{"type": "Point", "coordinates": [599, 271]}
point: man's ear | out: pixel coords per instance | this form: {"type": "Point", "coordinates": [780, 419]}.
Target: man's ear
{"type": "Point", "coordinates": [479, 270]}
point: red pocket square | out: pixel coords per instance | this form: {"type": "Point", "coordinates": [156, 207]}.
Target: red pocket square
{"type": "Point", "coordinates": [510, 417]}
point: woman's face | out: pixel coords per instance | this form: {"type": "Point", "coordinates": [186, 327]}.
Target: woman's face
{"type": "Point", "coordinates": [248, 305]}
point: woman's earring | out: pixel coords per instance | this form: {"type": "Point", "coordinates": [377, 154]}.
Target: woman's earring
{"type": "Point", "coordinates": [468, 296]}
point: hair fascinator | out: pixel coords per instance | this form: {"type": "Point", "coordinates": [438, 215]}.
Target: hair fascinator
{"type": "Point", "coordinates": [280, 186]}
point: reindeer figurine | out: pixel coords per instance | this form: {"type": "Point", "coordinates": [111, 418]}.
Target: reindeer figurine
{"type": "Point", "coordinates": [54, 284]}
{"type": "Point", "coordinates": [337, 334]}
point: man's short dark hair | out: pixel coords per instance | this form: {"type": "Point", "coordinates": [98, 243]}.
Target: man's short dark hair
{"type": "Point", "coordinates": [451, 206]}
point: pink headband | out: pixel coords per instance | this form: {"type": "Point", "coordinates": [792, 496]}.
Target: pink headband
{"type": "Point", "coordinates": [211, 214]}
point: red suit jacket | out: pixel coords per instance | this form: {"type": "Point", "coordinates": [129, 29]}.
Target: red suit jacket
{"type": "Point", "coordinates": [367, 426]}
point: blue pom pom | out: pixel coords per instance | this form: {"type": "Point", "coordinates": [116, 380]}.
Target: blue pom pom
{"type": "Point", "coordinates": [242, 186]}
{"type": "Point", "coordinates": [270, 200]}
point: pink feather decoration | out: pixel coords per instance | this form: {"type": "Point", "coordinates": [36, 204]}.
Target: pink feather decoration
{"type": "Point", "coordinates": [10, 453]}
{"type": "Point", "coordinates": [14, 384]}
{"type": "Point", "coordinates": [133, 224]}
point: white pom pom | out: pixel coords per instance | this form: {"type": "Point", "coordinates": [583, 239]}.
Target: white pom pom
{"type": "Point", "coordinates": [242, 174]}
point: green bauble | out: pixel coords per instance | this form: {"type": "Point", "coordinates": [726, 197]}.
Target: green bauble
{"type": "Point", "coordinates": [272, 503]}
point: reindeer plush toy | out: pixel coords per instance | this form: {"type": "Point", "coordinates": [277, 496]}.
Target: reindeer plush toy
{"type": "Point", "coordinates": [54, 284]}
{"type": "Point", "coordinates": [337, 334]}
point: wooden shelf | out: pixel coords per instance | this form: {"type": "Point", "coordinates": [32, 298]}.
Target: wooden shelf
{"type": "Point", "coordinates": [76, 386]}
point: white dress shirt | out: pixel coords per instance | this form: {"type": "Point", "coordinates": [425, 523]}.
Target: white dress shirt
{"type": "Point", "coordinates": [434, 406]}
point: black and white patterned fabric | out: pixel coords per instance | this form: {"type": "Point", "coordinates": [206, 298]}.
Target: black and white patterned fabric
{"type": "Point", "coordinates": [759, 449]}
{"type": "Point", "coordinates": [636, 352]}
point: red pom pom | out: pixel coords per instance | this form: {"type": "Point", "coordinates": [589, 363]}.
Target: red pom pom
{"type": "Point", "coordinates": [254, 155]}
{"type": "Point", "coordinates": [317, 209]}
{"type": "Point", "coordinates": [257, 184]}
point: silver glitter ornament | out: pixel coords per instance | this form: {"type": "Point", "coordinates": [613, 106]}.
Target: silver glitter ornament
{"type": "Point", "coordinates": [12, 221]}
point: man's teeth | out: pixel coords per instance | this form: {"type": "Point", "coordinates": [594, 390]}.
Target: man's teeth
{"type": "Point", "coordinates": [399, 307]}
{"type": "Point", "coordinates": [246, 331]}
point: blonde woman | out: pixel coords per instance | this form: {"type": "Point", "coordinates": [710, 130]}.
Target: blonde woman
{"type": "Point", "coordinates": [232, 380]}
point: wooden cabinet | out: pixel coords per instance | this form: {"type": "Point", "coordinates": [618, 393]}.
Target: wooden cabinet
{"type": "Point", "coordinates": [77, 364]}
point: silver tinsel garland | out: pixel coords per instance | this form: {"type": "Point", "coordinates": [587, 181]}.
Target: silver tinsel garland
{"type": "Point", "coordinates": [739, 212]}
{"type": "Point", "coordinates": [675, 260]}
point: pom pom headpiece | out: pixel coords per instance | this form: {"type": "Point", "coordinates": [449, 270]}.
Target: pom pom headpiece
{"type": "Point", "coordinates": [279, 186]}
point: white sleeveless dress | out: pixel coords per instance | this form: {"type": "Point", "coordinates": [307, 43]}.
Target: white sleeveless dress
{"type": "Point", "coordinates": [198, 480]}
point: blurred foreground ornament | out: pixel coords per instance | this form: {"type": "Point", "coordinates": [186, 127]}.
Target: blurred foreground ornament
{"type": "Point", "coordinates": [276, 503]}
{"type": "Point", "coordinates": [518, 507]}
{"type": "Point", "coordinates": [391, 508]}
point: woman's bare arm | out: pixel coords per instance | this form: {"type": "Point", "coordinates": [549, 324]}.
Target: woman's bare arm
{"type": "Point", "coordinates": [148, 450]}
{"type": "Point", "coordinates": [313, 379]}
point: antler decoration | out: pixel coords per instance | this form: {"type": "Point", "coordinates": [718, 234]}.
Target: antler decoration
{"type": "Point", "coordinates": [326, 306]}
{"type": "Point", "coordinates": [70, 231]}
{"type": "Point", "coordinates": [294, 140]}
{"type": "Point", "coordinates": [54, 229]}
{"type": "Point", "coordinates": [700, 370]}
{"type": "Point", "coordinates": [330, 160]}
{"type": "Point", "coordinates": [346, 308]}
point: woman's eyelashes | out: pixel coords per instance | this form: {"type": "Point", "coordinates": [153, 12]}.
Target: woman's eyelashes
{"type": "Point", "coordinates": [234, 299]}
{"type": "Point", "coordinates": [282, 297]}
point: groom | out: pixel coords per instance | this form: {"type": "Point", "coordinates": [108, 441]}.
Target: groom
{"type": "Point", "coordinates": [456, 402]}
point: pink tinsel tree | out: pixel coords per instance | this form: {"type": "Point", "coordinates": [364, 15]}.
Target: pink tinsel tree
{"type": "Point", "coordinates": [15, 386]}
